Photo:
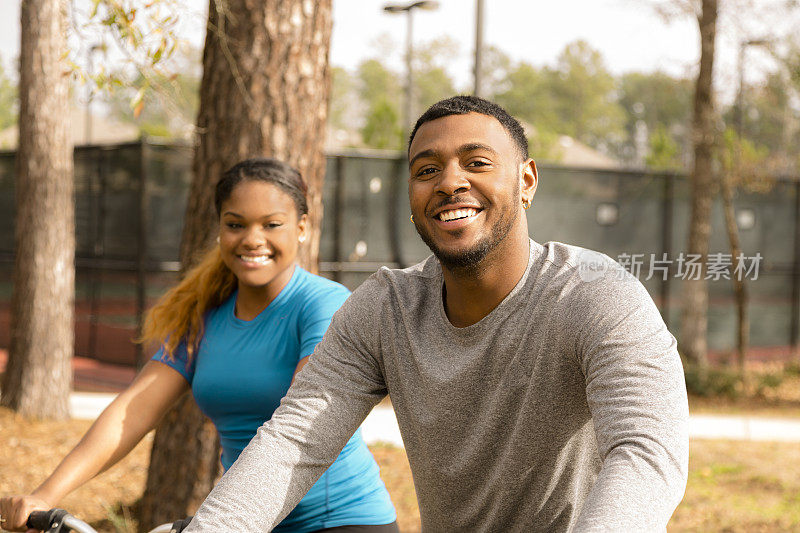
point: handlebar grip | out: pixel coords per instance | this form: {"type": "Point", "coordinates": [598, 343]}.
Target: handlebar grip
{"type": "Point", "coordinates": [180, 525]}
{"type": "Point", "coordinates": [42, 520]}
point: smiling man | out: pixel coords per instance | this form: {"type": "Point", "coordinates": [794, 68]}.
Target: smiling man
{"type": "Point", "coordinates": [536, 386]}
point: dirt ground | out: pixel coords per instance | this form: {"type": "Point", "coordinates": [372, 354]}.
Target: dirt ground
{"type": "Point", "coordinates": [30, 450]}
{"type": "Point", "coordinates": [733, 486]}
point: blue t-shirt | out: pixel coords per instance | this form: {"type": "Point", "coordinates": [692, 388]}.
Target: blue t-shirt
{"type": "Point", "coordinates": [241, 371]}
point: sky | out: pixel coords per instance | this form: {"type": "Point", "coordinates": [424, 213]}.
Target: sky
{"type": "Point", "coordinates": [629, 33]}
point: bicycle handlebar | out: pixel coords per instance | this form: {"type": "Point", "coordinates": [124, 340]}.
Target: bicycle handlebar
{"type": "Point", "coordinates": [56, 521]}
{"type": "Point", "coordinates": [59, 520]}
{"type": "Point", "coordinates": [41, 519]}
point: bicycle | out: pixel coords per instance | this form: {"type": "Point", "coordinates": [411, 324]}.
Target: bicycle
{"type": "Point", "coordinates": [60, 521]}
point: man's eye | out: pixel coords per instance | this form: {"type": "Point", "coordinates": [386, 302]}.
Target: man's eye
{"type": "Point", "coordinates": [427, 171]}
{"type": "Point", "coordinates": [478, 163]}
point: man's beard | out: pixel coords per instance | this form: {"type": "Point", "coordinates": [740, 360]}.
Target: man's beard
{"type": "Point", "coordinates": [466, 260]}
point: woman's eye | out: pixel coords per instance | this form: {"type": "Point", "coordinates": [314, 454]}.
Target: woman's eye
{"type": "Point", "coordinates": [233, 225]}
{"type": "Point", "coordinates": [274, 224]}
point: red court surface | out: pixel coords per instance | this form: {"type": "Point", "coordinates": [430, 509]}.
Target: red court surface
{"type": "Point", "coordinates": [90, 375]}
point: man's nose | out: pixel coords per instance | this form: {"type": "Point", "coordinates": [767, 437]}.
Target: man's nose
{"type": "Point", "coordinates": [452, 180]}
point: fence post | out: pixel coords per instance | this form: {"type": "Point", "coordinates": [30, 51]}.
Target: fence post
{"type": "Point", "coordinates": [666, 242]}
{"type": "Point", "coordinates": [141, 251]}
{"type": "Point", "coordinates": [794, 327]}
{"type": "Point", "coordinates": [393, 213]}
{"type": "Point", "coordinates": [96, 199]}
{"type": "Point", "coordinates": [338, 216]}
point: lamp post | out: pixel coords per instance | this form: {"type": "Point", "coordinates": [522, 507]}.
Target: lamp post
{"type": "Point", "coordinates": [738, 118]}
{"type": "Point", "coordinates": [478, 89]}
{"type": "Point", "coordinates": [727, 189]}
{"type": "Point", "coordinates": [408, 10]}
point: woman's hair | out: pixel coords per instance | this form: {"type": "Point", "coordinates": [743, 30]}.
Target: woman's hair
{"type": "Point", "coordinates": [178, 316]}
{"type": "Point", "coordinates": [269, 171]}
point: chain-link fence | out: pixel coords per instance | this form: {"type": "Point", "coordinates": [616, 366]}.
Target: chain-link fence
{"type": "Point", "coordinates": [130, 200]}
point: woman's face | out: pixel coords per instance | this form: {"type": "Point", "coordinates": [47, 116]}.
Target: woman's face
{"type": "Point", "coordinates": [259, 234]}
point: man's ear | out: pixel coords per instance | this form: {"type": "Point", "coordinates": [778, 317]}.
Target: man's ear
{"type": "Point", "coordinates": [529, 179]}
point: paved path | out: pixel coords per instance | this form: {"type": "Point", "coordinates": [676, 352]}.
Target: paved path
{"type": "Point", "coordinates": [744, 428]}
{"type": "Point", "coordinates": [381, 424]}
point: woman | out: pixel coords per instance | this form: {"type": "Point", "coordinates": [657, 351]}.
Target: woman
{"type": "Point", "coordinates": [235, 330]}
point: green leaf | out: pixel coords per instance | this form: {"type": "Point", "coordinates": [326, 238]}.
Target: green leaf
{"type": "Point", "coordinates": [95, 6]}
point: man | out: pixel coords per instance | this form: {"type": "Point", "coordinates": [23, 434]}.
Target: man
{"type": "Point", "coordinates": [535, 386]}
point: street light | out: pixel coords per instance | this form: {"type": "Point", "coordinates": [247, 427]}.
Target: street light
{"type": "Point", "coordinates": [739, 116]}
{"type": "Point", "coordinates": [477, 90]}
{"type": "Point", "coordinates": [428, 5]}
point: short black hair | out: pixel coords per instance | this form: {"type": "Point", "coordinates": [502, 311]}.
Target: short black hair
{"type": "Point", "coordinates": [463, 104]}
{"type": "Point", "coordinates": [268, 170]}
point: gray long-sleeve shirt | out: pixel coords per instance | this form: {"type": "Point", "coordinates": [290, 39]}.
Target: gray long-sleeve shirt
{"type": "Point", "coordinates": [563, 409]}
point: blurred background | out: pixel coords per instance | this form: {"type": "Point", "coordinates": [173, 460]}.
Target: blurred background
{"type": "Point", "coordinates": [604, 89]}
{"type": "Point", "coordinates": [607, 91]}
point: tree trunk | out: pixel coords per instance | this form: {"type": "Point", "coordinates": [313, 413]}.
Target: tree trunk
{"type": "Point", "coordinates": [38, 378]}
{"type": "Point", "coordinates": [739, 288]}
{"type": "Point", "coordinates": [184, 465]}
{"type": "Point", "coordinates": [694, 315]}
{"type": "Point", "coordinates": [264, 92]}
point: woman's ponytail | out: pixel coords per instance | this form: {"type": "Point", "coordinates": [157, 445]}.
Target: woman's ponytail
{"type": "Point", "coordinates": [179, 314]}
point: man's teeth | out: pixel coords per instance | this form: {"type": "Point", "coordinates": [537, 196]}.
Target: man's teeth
{"type": "Point", "coordinates": [454, 214]}
{"type": "Point", "coordinates": [258, 259]}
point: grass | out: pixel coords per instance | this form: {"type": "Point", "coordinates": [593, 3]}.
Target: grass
{"type": "Point", "coordinates": [733, 487]}
{"type": "Point", "coordinates": [768, 390]}
{"type": "Point", "coordinates": [741, 486]}
{"type": "Point", "coordinates": [396, 474]}
{"type": "Point", "coordinates": [743, 407]}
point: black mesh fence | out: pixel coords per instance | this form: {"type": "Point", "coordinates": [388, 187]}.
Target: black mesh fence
{"type": "Point", "coordinates": [130, 200]}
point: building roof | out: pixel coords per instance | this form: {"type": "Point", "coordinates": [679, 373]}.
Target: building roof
{"type": "Point", "coordinates": [105, 130]}
{"type": "Point", "coordinates": [576, 154]}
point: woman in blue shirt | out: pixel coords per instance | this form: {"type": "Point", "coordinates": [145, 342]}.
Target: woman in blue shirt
{"type": "Point", "coordinates": [235, 330]}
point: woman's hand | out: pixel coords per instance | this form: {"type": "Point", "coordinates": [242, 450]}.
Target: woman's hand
{"type": "Point", "coordinates": [15, 510]}
{"type": "Point", "coordinates": [116, 431]}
